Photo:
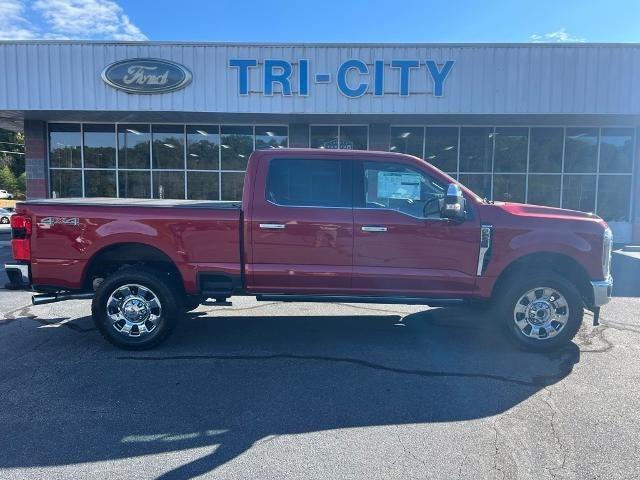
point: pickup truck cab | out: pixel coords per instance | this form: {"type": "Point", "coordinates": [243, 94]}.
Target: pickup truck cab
{"type": "Point", "coordinates": [321, 226]}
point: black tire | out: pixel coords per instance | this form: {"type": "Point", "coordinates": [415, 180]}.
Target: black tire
{"type": "Point", "coordinates": [511, 294]}
{"type": "Point", "coordinates": [168, 313]}
{"type": "Point", "coordinates": [4, 220]}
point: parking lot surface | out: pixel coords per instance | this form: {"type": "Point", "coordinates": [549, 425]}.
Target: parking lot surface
{"type": "Point", "coordinates": [269, 390]}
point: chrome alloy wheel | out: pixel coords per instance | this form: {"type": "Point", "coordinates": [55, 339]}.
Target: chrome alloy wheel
{"type": "Point", "coordinates": [541, 313]}
{"type": "Point", "coordinates": [134, 310]}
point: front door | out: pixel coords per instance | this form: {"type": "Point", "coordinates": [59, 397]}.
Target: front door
{"type": "Point", "coordinates": [301, 227]}
{"type": "Point", "coordinates": [401, 244]}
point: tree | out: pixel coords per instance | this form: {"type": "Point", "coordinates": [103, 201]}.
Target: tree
{"type": "Point", "coordinates": [21, 184]}
{"type": "Point", "coordinates": [8, 180]}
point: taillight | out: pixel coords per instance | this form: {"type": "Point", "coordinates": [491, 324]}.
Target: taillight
{"type": "Point", "coordinates": [20, 235]}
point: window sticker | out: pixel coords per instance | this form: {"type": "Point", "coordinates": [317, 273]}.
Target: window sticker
{"type": "Point", "coordinates": [399, 185]}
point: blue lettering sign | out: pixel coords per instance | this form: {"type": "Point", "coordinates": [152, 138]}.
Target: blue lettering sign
{"type": "Point", "coordinates": [303, 78]}
{"type": "Point", "coordinates": [353, 77]}
{"type": "Point", "coordinates": [243, 73]}
{"type": "Point", "coordinates": [405, 67]}
{"type": "Point", "coordinates": [343, 86]}
{"type": "Point", "coordinates": [281, 76]}
{"type": "Point", "coordinates": [378, 78]}
{"type": "Point", "coordinates": [439, 76]}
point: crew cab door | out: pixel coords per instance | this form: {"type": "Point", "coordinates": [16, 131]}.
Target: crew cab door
{"type": "Point", "coordinates": [301, 226]}
{"type": "Point", "coordinates": [401, 244]}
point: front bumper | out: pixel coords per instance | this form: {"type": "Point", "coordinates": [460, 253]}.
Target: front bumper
{"type": "Point", "coordinates": [601, 291]}
{"type": "Point", "coordinates": [18, 274]}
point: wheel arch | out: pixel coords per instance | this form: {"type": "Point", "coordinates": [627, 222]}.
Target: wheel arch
{"type": "Point", "coordinates": [558, 263]}
{"type": "Point", "coordinates": [116, 256]}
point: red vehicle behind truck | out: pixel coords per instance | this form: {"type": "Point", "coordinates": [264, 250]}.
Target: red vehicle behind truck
{"type": "Point", "coordinates": [321, 226]}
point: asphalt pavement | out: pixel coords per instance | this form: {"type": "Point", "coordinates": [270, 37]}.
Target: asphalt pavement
{"type": "Point", "coordinates": [268, 390]}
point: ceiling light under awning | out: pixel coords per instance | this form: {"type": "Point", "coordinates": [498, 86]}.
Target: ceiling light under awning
{"type": "Point", "coordinates": [449, 147]}
{"type": "Point", "coordinates": [202, 132]}
{"type": "Point", "coordinates": [405, 134]}
{"type": "Point", "coordinates": [168, 145]}
{"type": "Point", "coordinates": [270, 134]}
{"type": "Point", "coordinates": [224, 145]}
{"type": "Point", "coordinates": [134, 131]}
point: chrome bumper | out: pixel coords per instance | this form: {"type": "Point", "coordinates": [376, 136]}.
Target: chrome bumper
{"type": "Point", "coordinates": [602, 291]}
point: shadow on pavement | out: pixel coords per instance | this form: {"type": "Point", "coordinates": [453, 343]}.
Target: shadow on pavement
{"type": "Point", "coordinates": [231, 382]}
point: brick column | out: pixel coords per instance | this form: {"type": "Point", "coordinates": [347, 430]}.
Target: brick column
{"type": "Point", "coordinates": [35, 146]}
{"type": "Point", "coordinates": [379, 136]}
{"type": "Point", "coordinates": [299, 135]}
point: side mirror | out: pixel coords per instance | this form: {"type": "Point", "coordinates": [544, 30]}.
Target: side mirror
{"type": "Point", "coordinates": [453, 205]}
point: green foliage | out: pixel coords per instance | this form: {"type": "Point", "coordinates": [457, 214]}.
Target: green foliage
{"type": "Point", "coordinates": [8, 180]}
{"type": "Point", "coordinates": [21, 183]}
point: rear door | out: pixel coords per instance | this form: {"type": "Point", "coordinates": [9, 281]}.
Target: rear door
{"type": "Point", "coordinates": [401, 245]}
{"type": "Point", "coordinates": [301, 226]}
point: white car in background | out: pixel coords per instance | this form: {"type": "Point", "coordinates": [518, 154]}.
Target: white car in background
{"type": "Point", "coordinates": [5, 216]}
{"type": "Point", "coordinates": [5, 194]}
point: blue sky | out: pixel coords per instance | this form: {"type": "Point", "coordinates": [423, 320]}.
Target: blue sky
{"type": "Point", "coordinates": [323, 21]}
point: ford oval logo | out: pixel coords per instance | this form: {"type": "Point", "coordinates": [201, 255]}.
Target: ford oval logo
{"type": "Point", "coordinates": [146, 75]}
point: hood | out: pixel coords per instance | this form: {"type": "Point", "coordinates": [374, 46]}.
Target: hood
{"type": "Point", "coordinates": [538, 211]}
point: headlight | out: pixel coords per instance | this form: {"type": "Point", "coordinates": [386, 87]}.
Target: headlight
{"type": "Point", "coordinates": [607, 245]}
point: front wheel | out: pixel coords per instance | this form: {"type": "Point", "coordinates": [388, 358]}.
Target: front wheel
{"type": "Point", "coordinates": [4, 220]}
{"type": "Point", "coordinates": [134, 309]}
{"type": "Point", "coordinates": [540, 313]}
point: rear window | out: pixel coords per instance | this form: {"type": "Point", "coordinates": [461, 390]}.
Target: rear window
{"type": "Point", "coordinates": [309, 183]}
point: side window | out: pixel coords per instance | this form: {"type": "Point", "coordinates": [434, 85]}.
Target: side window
{"type": "Point", "coordinates": [309, 183]}
{"type": "Point", "coordinates": [393, 186]}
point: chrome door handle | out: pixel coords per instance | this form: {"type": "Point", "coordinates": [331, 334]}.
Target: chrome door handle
{"type": "Point", "coordinates": [272, 226]}
{"type": "Point", "coordinates": [373, 228]}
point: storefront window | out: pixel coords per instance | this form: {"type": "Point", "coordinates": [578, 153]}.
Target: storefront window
{"type": "Point", "coordinates": [442, 148]}
{"type": "Point", "coordinates": [65, 142]}
{"type": "Point", "coordinates": [167, 184]}
{"type": "Point", "coordinates": [99, 145]}
{"type": "Point", "coordinates": [545, 150]}
{"type": "Point", "coordinates": [354, 137]}
{"type": "Point", "coordinates": [271, 137]}
{"type": "Point", "coordinates": [511, 149]}
{"type": "Point", "coordinates": [614, 197]}
{"type": "Point", "coordinates": [349, 137]}
{"type": "Point", "coordinates": [409, 140]}
{"type": "Point", "coordinates": [232, 184]}
{"type": "Point", "coordinates": [476, 149]}
{"type": "Point", "coordinates": [100, 183]}
{"type": "Point", "coordinates": [133, 146]}
{"type": "Point", "coordinates": [579, 192]}
{"type": "Point", "coordinates": [203, 186]}
{"type": "Point", "coordinates": [544, 190]}
{"type": "Point", "coordinates": [203, 147]}
{"type": "Point", "coordinates": [581, 150]}
{"type": "Point", "coordinates": [616, 150]}
{"type": "Point", "coordinates": [324, 136]}
{"type": "Point", "coordinates": [66, 183]}
{"type": "Point", "coordinates": [478, 184]}
{"type": "Point", "coordinates": [168, 147]}
{"type": "Point", "coordinates": [237, 145]}
{"type": "Point", "coordinates": [134, 184]}
{"type": "Point", "coordinates": [509, 188]}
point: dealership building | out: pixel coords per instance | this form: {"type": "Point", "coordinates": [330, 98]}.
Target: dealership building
{"type": "Point", "coordinates": [548, 124]}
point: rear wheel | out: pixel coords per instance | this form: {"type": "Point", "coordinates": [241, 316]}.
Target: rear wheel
{"type": "Point", "coordinates": [135, 309]}
{"type": "Point", "coordinates": [4, 220]}
{"type": "Point", "coordinates": [540, 313]}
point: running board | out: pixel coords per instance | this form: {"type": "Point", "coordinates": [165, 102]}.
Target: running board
{"type": "Point", "coordinates": [432, 302]}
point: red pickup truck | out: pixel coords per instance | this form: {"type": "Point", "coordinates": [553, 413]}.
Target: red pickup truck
{"type": "Point", "coordinates": [317, 226]}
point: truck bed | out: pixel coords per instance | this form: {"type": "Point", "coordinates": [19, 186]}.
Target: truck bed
{"type": "Point", "coordinates": [198, 236]}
